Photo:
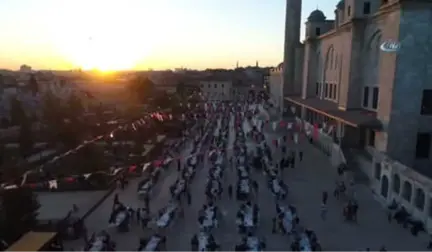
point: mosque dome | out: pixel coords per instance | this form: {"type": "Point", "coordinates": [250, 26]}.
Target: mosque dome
{"type": "Point", "coordinates": [316, 16]}
{"type": "Point", "coordinates": [341, 4]}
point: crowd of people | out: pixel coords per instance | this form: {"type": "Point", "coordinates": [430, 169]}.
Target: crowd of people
{"type": "Point", "coordinates": [220, 138]}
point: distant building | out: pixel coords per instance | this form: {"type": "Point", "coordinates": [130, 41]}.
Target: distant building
{"type": "Point", "coordinates": [29, 89]}
{"type": "Point", "coordinates": [216, 88]}
{"type": "Point", "coordinates": [275, 85]}
{"type": "Point", "coordinates": [25, 69]}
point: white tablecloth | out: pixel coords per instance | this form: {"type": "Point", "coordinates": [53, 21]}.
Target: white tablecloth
{"type": "Point", "coordinates": [304, 243]}
{"type": "Point", "coordinates": [166, 216]}
{"type": "Point", "coordinates": [253, 243]}
{"type": "Point", "coordinates": [98, 244]}
{"type": "Point", "coordinates": [208, 217]}
{"type": "Point", "coordinates": [202, 241]}
{"type": "Point", "coordinates": [120, 217]}
{"type": "Point", "coordinates": [152, 244]}
{"type": "Point", "coordinates": [244, 186]}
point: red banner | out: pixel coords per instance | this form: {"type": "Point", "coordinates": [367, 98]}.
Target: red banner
{"type": "Point", "coordinates": [315, 131]}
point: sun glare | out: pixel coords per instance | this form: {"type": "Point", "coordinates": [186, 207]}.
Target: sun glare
{"type": "Point", "coordinates": [105, 43]}
{"type": "Point", "coordinates": [108, 54]}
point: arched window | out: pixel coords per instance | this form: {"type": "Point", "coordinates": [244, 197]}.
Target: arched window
{"type": "Point", "coordinates": [407, 191]}
{"type": "Point", "coordinates": [419, 200]}
{"type": "Point", "coordinates": [378, 171]}
{"type": "Point", "coordinates": [336, 61]}
{"type": "Point", "coordinates": [396, 183]}
{"type": "Point", "coordinates": [331, 58]}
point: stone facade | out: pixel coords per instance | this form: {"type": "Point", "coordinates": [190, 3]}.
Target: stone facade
{"type": "Point", "coordinates": [393, 181]}
{"type": "Point", "coordinates": [216, 89]}
{"type": "Point", "coordinates": [276, 85]}
{"type": "Point", "coordinates": [343, 60]}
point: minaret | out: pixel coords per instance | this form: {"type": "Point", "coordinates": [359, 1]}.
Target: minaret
{"type": "Point", "coordinates": [256, 64]}
{"type": "Point", "coordinates": [292, 40]}
{"type": "Point", "coordinates": [237, 65]}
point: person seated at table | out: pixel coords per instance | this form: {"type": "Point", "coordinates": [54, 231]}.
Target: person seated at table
{"type": "Point", "coordinates": [242, 246]}
{"type": "Point", "coordinates": [210, 246]}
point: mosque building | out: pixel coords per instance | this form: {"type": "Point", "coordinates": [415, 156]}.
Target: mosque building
{"type": "Point", "coordinates": [364, 79]}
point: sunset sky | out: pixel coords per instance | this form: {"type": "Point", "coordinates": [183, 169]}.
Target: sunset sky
{"type": "Point", "coordinates": [141, 34]}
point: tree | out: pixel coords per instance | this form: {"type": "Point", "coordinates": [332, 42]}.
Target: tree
{"type": "Point", "coordinates": [181, 89]}
{"type": "Point", "coordinates": [33, 84]}
{"type": "Point", "coordinates": [51, 110]}
{"type": "Point", "coordinates": [25, 137]}
{"type": "Point", "coordinates": [141, 89]}
{"type": "Point", "coordinates": [18, 213]}
{"type": "Point", "coordinates": [75, 107]}
{"type": "Point", "coordinates": [55, 117]}
{"type": "Point", "coordinates": [16, 111]}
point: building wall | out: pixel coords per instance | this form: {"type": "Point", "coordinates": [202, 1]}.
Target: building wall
{"type": "Point", "coordinates": [216, 90]}
{"type": "Point", "coordinates": [276, 85]}
{"type": "Point", "coordinates": [298, 69]}
{"type": "Point", "coordinates": [391, 180]}
{"type": "Point", "coordinates": [349, 57]}
{"type": "Point", "coordinates": [401, 78]}
{"type": "Point", "coordinates": [413, 74]}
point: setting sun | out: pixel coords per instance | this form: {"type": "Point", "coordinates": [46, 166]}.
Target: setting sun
{"type": "Point", "coordinates": [106, 43]}
{"type": "Point", "coordinates": [106, 53]}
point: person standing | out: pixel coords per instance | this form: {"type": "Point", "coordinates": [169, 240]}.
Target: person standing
{"type": "Point", "coordinates": [323, 211]}
{"type": "Point", "coordinates": [230, 191]}
{"type": "Point", "coordinates": [300, 156]}
{"type": "Point", "coordinates": [189, 197]}
{"type": "Point", "coordinates": [324, 197]}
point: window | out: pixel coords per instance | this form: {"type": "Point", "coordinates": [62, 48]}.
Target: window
{"type": "Point", "coordinates": [215, 85]}
{"type": "Point", "coordinates": [317, 31]}
{"type": "Point", "coordinates": [377, 173]}
{"type": "Point", "coordinates": [336, 61]}
{"type": "Point", "coordinates": [349, 11]}
{"type": "Point", "coordinates": [419, 199]}
{"type": "Point", "coordinates": [423, 145]}
{"type": "Point", "coordinates": [317, 88]}
{"type": "Point", "coordinates": [426, 105]}
{"type": "Point", "coordinates": [223, 85]}
{"type": "Point", "coordinates": [334, 92]}
{"type": "Point", "coordinates": [366, 8]}
{"type": "Point", "coordinates": [407, 191]}
{"type": "Point", "coordinates": [209, 86]}
{"type": "Point", "coordinates": [396, 184]}
{"type": "Point", "coordinates": [331, 92]}
{"type": "Point", "coordinates": [371, 136]}
{"type": "Point", "coordinates": [375, 95]}
{"type": "Point", "coordinates": [326, 90]}
{"type": "Point", "coordinates": [331, 59]}
{"type": "Point", "coordinates": [365, 97]}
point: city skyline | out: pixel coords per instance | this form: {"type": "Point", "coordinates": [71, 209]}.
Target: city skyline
{"type": "Point", "coordinates": [132, 34]}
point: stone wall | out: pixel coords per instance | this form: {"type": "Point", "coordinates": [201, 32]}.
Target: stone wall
{"type": "Point", "coordinates": [413, 74]}
{"type": "Point", "coordinates": [391, 180]}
